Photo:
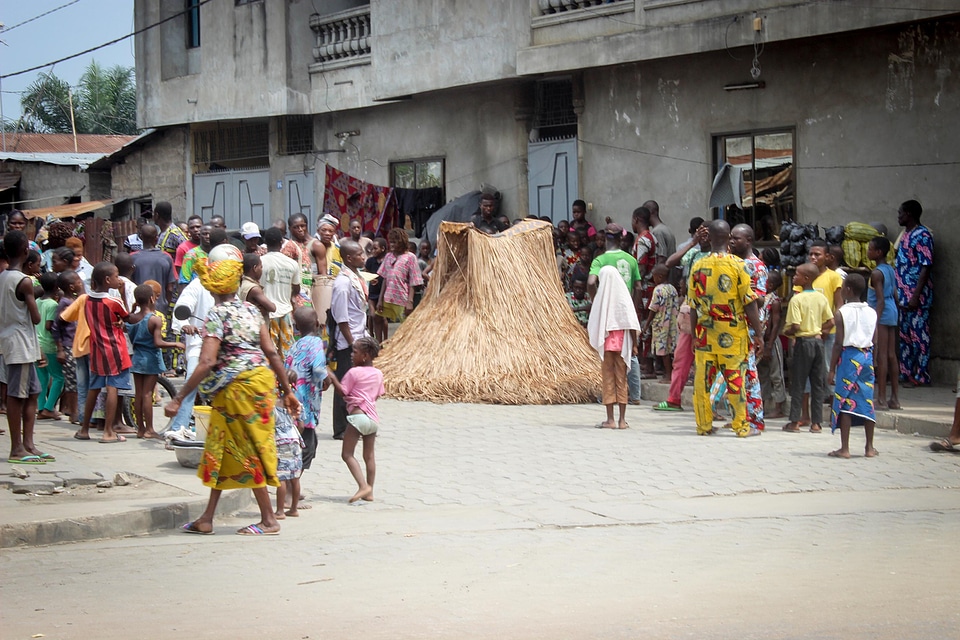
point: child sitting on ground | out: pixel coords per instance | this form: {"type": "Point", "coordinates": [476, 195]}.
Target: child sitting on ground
{"type": "Point", "coordinates": [808, 320]}
{"type": "Point", "coordinates": [579, 301]}
{"type": "Point", "coordinates": [880, 297]}
{"type": "Point", "coordinates": [662, 320]}
{"type": "Point", "coordinates": [851, 366]}
{"type": "Point", "coordinates": [770, 365]}
{"type": "Point", "coordinates": [49, 369]}
{"type": "Point", "coordinates": [360, 388]}
{"type": "Point", "coordinates": [308, 362]}
{"type": "Point", "coordinates": [289, 455]}
{"type": "Point", "coordinates": [145, 331]}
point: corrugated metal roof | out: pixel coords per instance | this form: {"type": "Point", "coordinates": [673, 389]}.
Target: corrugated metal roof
{"type": "Point", "coordinates": [67, 210]}
{"type": "Point", "coordinates": [63, 143]}
{"type": "Point", "coordinates": [81, 160]}
{"type": "Point", "coordinates": [9, 180]}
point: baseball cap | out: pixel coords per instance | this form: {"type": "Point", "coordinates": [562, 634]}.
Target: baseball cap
{"type": "Point", "coordinates": [250, 230]}
{"type": "Point", "coordinates": [613, 229]}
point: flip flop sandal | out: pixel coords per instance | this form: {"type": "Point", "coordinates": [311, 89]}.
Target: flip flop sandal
{"type": "Point", "coordinates": [34, 460]}
{"type": "Point", "coordinates": [944, 445]}
{"type": "Point", "coordinates": [788, 430]}
{"type": "Point", "coordinates": [665, 406]}
{"type": "Point", "coordinates": [254, 530]}
{"type": "Point", "coordinates": [190, 527]}
{"type": "Point", "coordinates": [119, 438]}
{"type": "Point", "coordinates": [46, 457]}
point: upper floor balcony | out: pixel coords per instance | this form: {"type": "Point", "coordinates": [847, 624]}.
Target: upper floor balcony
{"type": "Point", "coordinates": [341, 39]}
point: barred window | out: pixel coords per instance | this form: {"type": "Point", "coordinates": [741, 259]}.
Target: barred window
{"type": "Point", "coordinates": [296, 135]}
{"type": "Point", "coordinates": [234, 145]}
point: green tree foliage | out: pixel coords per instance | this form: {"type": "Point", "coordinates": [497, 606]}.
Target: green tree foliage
{"type": "Point", "coordinates": [104, 102]}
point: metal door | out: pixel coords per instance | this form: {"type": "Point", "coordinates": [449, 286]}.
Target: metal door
{"type": "Point", "coordinates": [299, 198]}
{"type": "Point", "coordinates": [552, 178]}
{"type": "Point", "coordinates": [239, 196]}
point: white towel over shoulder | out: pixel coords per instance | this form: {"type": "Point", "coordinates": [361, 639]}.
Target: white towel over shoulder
{"type": "Point", "coordinates": [612, 310]}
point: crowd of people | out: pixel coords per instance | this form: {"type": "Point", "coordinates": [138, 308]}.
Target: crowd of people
{"type": "Point", "coordinates": [718, 311]}
{"type": "Point", "coordinates": [280, 314]}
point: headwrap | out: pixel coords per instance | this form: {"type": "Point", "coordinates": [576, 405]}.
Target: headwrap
{"type": "Point", "coordinates": [329, 219]}
{"type": "Point", "coordinates": [221, 277]}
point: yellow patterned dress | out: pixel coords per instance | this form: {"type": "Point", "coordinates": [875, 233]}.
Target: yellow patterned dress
{"type": "Point", "coordinates": [240, 451]}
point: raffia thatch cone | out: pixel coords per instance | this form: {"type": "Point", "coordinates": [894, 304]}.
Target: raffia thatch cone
{"type": "Point", "coordinates": [493, 327]}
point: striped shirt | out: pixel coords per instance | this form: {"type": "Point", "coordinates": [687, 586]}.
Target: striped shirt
{"type": "Point", "coordinates": [108, 343]}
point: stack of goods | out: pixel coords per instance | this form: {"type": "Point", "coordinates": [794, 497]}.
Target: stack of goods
{"type": "Point", "coordinates": [795, 241]}
{"type": "Point", "coordinates": [856, 237]}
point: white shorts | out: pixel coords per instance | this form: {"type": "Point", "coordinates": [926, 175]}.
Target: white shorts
{"type": "Point", "coordinates": [363, 423]}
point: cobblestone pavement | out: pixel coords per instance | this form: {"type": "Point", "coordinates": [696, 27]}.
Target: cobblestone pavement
{"type": "Point", "coordinates": [527, 522]}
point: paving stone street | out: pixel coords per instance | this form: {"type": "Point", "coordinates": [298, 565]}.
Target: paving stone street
{"type": "Point", "coordinates": [497, 521]}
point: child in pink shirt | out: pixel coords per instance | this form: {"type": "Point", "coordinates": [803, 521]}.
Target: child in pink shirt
{"type": "Point", "coordinates": [360, 388]}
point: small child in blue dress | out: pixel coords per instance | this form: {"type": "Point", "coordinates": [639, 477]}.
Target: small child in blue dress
{"type": "Point", "coordinates": [881, 296]}
{"type": "Point", "coordinates": [145, 330]}
{"type": "Point", "coordinates": [289, 456]}
{"type": "Point", "coordinates": [307, 360]}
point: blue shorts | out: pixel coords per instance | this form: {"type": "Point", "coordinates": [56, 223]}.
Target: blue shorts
{"type": "Point", "coordinates": [22, 380]}
{"type": "Point", "coordinates": [119, 381]}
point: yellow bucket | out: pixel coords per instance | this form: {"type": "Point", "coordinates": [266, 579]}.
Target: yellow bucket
{"type": "Point", "coordinates": [201, 420]}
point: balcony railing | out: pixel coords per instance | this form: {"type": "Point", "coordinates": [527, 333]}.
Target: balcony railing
{"type": "Point", "coordinates": [343, 38]}
{"type": "Point", "coordinates": [549, 7]}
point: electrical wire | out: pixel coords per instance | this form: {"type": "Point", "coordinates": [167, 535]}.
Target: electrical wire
{"type": "Point", "coordinates": [106, 44]}
{"type": "Point", "coordinates": [45, 13]}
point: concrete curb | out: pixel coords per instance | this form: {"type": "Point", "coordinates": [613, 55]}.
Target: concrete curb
{"type": "Point", "coordinates": [905, 421]}
{"type": "Point", "coordinates": [162, 517]}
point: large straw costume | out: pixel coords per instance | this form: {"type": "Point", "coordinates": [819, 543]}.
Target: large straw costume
{"type": "Point", "coordinates": [493, 327]}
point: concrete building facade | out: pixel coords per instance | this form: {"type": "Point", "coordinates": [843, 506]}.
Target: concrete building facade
{"type": "Point", "coordinates": [836, 111]}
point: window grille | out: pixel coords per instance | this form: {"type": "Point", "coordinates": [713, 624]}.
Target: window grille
{"type": "Point", "coordinates": [231, 143]}
{"type": "Point", "coordinates": [553, 109]}
{"type": "Point", "coordinates": [296, 135]}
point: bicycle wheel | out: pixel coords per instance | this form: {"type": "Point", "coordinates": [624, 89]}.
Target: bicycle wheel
{"type": "Point", "coordinates": [163, 393]}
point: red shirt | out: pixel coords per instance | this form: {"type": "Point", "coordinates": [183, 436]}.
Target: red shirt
{"type": "Point", "coordinates": [181, 252]}
{"type": "Point", "coordinates": [108, 343]}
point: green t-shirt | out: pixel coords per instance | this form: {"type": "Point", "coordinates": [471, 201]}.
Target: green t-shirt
{"type": "Point", "coordinates": [623, 262]}
{"type": "Point", "coordinates": [48, 310]}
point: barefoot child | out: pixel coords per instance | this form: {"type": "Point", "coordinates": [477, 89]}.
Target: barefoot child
{"type": "Point", "coordinates": [289, 455]}
{"type": "Point", "coordinates": [18, 343]}
{"type": "Point", "coordinates": [360, 388]}
{"type": "Point", "coordinates": [145, 330]}
{"type": "Point", "coordinates": [613, 330]}
{"type": "Point", "coordinates": [770, 366]}
{"type": "Point", "coordinates": [808, 320]}
{"type": "Point", "coordinates": [880, 297]}
{"type": "Point", "coordinates": [308, 361]}
{"type": "Point", "coordinates": [851, 365]}
{"type": "Point", "coordinates": [662, 320]}
{"type": "Point", "coordinates": [109, 361]}
{"type": "Point", "coordinates": [49, 369]}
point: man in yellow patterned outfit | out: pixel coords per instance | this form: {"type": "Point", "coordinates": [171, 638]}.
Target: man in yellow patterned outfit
{"type": "Point", "coordinates": [721, 303]}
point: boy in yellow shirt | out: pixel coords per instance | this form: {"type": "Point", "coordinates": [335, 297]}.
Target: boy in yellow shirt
{"type": "Point", "coordinates": [809, 319]}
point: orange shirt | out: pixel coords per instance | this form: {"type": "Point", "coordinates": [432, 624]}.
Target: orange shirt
{"type": "Point", "coordinates": [74, 313]}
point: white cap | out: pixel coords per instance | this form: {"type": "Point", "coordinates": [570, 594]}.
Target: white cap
{"type": "Point", "coordinates": [250, 230]}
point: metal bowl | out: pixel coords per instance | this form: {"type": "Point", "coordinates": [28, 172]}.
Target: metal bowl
{"type": "Point", "coordinates": [188, 457]}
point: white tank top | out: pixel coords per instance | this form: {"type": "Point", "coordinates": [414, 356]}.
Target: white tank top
{"type": "Point", "coordinates": [859, 323]}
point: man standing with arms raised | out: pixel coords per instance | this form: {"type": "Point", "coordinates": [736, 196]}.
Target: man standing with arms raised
{"type": "Point", "coordinates": [721, 303]}
{"type": "Point", "coordinates": [348, 307]}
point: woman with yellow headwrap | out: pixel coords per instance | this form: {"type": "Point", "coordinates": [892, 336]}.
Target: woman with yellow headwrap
{"type": "Point", "coordinates": [240, 451]}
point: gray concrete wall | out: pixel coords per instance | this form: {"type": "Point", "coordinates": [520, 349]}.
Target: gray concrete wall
{"type": "Point", "coordinates": [876, 119]}
{"type": "Point", "coordinates": [157, 170]}
{"type": "Point", "coordinates": [474, 129]}
{"type": "Point", "coordinates": [240, 69]}
{"type": "Point", "coordinates": [47, 185]}
{"type": "Point", "coordinates": [424, 45]}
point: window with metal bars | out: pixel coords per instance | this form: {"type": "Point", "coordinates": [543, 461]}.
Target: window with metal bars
{"type": "Point", "coordinates": [553, 109]}
{"type": "Point", "coordinates": [295, 135]}
{"type": "Point", "coordinates": [232, 143]}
